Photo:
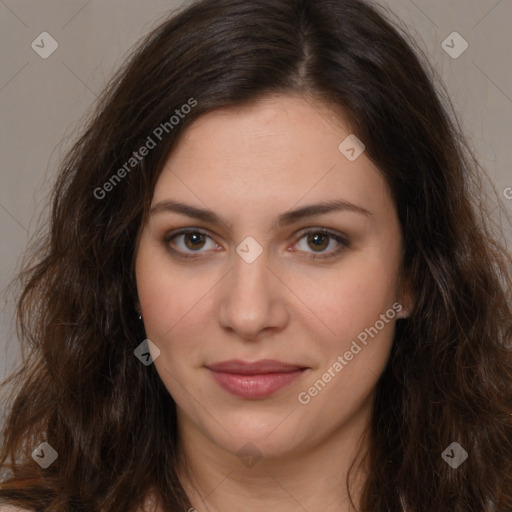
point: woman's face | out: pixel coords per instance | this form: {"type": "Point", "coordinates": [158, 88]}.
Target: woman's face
{"type": "Point", "coordinates": [249, 284]}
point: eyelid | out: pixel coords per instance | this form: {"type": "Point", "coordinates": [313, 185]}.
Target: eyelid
{"type": "Point", "coordinates": [335, 235]}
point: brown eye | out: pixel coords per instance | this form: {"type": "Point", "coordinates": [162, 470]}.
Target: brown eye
{"type": "Point", "coordinates": [318, 241]}
{"type": "Point", "coordinates": [194, 240]}
{"type": "Point", "coordinates": [186, 242]}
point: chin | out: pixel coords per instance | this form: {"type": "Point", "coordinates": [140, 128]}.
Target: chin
{"type": "Point", "coordinates": [270, 436]}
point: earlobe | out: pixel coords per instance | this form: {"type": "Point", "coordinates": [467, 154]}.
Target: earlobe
{"type": "Point", "coordinates": [405, 299]}
{"type": "Point", "coordinates": [403, 313]}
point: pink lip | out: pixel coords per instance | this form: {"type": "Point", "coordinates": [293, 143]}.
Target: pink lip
{"type": "Point", "coordinates": [253, 380]}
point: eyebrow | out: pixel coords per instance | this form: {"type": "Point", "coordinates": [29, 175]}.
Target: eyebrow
{"type": "Point", "coordinates": [284, 219]}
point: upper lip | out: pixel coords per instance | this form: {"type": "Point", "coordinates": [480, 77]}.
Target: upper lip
{"type": "Point", "coordinates": [254, 368]}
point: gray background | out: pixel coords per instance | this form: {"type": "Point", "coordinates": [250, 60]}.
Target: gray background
{"type": "Point", "coordinates": [43, 100]}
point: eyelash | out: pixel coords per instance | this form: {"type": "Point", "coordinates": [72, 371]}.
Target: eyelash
{"type": "Point", "coordinates": [321, 256]}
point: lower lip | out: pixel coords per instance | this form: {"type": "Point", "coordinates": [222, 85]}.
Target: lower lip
{"type": "Point", "coordinates": [255, 386]}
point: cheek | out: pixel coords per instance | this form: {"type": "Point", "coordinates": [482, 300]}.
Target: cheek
{"type": "Point", "coordinates": [173, 301]}
{"type": "Point", "coordinates": [354, 296]}
{"type": "Point", "coordinates": [358, 310]}
{"type": "Point", "coordinates": [160, 295]}
{"type": "Point", "coordinates": [168, 304]}
{"type": "Point", "coordinates": [165, 303]}
{"type": "Point", "coordinates": [157, 290]}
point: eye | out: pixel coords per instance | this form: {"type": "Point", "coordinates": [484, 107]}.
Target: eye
{"type": "Point", "coordinates": [320, 240]}
{"type": "Point", "coordinates": [186, 242]}
{"type": "Point", "coordinates": [192, 240]}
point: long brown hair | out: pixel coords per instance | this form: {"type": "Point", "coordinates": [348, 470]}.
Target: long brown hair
{"type": "Point", "coordinates": [109, 417]}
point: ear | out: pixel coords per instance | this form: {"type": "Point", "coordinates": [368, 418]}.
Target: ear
{"type": "Point", "coordinates": [405, 297]}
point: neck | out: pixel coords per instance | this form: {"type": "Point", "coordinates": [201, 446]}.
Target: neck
{"type": "Point", "coordinates": [312, 478]}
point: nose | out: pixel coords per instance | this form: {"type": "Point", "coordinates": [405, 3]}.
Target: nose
{"type": "Point", "coordinates": [253, 299]}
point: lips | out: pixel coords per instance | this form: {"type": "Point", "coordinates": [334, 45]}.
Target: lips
{"type": "Point", "coordinates": [254, 380]}
{"type": "Point", "coordinates": [254, 368]}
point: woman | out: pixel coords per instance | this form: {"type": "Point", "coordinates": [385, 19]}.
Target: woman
{"type": "Point", "coordinates": [269, 282]}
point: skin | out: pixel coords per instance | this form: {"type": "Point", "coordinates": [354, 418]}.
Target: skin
{"type": "Point", "coordinates": [249, 165]}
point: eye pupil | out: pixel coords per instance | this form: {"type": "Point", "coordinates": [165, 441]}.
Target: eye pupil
{"type": "Point", "coordinates": [318, 237]}
{"type": "Point", "coordinates": [196, 238]}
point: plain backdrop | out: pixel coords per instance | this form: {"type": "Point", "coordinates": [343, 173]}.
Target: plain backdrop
{"type": "Point", "coordinates": [42, 100]}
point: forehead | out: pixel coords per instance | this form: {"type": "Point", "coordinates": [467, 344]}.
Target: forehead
{"type": "Point", "coordinates": [283, 151]}
{"type": "Point", "coordinates": [277, 131]}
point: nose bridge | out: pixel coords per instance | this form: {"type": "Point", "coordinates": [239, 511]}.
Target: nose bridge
{"type": "Point", "coordinates": [251, 302]}
{"type": "Point", "coordinates": [250, 265]}
{"type": "Point", "coordinates": [250, 284]}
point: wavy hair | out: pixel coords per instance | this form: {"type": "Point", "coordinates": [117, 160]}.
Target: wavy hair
{"type": "Point", "coordinates": [449, 375]}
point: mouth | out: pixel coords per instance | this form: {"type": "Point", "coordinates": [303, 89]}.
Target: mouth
{"type": "Point", "coordinates": [254, 380]}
